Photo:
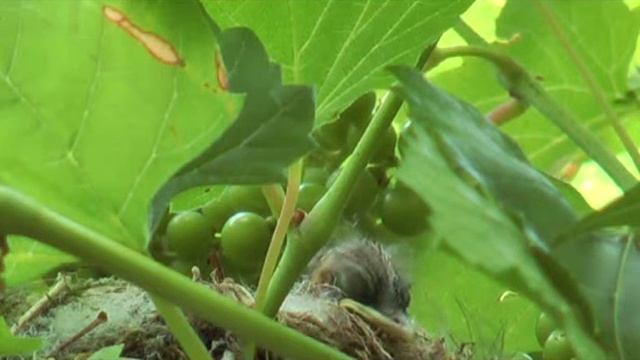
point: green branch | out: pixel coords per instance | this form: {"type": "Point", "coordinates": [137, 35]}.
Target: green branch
{"type": "Point", "coordinates": [316, 229]}
{"type": "Point", "coordinates": [23, 216]}
{"type": "Point", "coordinates": [521, 85]}
{"type": "Point", "coordinates": [181, 329]}
{"type": "Point", "coordinates": [590, 81]}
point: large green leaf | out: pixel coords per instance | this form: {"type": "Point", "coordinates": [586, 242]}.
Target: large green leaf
{"type": "Point", "coordinates": [13, 345]}
{"type": "Point", "coordinates": [28, 260]}
{"type": "Point", "coordinates": [91, 122]}
{"type": "Point", "coordinates": [493, 160]}
{"type": "Point", "coordinates": [476, 227]}
{"type": "Point", "coordinates": [604, 35]}
{"type": "Point", "coordinates": [340, 46]}
{"type": "Point", "coordinates": [463, 304]}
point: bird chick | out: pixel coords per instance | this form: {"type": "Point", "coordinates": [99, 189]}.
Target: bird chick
{"type": "Point", "coordinates": [363, 271]}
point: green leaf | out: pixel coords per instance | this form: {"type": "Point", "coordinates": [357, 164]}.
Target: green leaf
{"type": "Point", "coordinates": [13, 345]}
{"type": "Point", "coordinates": [463, 304]}
{"type": "Point", "coordinates": [93, 131]}
{"type": "Point", "coordinates": [607, 265]}
{"type": "Point", "coordinates": [341, 47]}
{"type": "Point", "coordinates": [271, 131]}
{"type": "Point", "coordinates": [475, 227]}
{"type": "Point", "coordinates": [108, 353]}
{"type": "Point", "coordinates": [29, 260]}
{"type": "Point", "coordinates": [488, 157]}
{"type": "Point", "coordinates": [606, 53]}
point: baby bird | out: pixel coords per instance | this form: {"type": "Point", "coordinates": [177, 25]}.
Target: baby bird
{"type": "Point", "coordinates": [363, 271]}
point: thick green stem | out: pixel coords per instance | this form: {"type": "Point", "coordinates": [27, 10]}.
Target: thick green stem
{"type": "Point", "coordinates": [521, 85]}
{"type": "Point", "coordinates": [317, 227]}
{"type": "Point", "coordinates": [591, 82]}
{"type": "Point", "coordinates": [22, 215]}
{"type": "Point", "coordinates": [181, 329]}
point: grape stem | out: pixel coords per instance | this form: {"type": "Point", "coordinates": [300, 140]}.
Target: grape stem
{"type": "Point", "coordinates": [288, 207]}
{"type": "Point", "coordinates": [21, 215]}
{"type": "Point", "coordinates": [523, 86]}
{"type": "Point", "coordinates": [315, 230]}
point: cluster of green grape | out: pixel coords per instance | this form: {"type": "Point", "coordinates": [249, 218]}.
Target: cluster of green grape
{"type": "Point", "coordinates": [378, 204]}
{"type": "Point", "coordinates": [236, 226]}
{"type": "Point", "coordinates": [555, 345]}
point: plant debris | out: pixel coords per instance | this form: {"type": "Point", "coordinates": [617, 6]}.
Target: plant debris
{"type": "Point", "coordinates": [133, 321]}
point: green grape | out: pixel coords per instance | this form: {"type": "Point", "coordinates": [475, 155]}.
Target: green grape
{"type": "Point", "coordinates": [385, 151]}
{"type": "Point", "coordinates": [309, 195]}
{"type": "Point", "coordinates": [332, 136]}
{"type": "Point", "coordinates": [244, 239]}
{"type": "Point", "coordinates": [403, 212]}
{"type": "Point", "coordinates": [189, 235]}
{"type": "Point", "coordinates": [216, 213]}
{"type": "Point", "coordinates": [315, 175]}
{"type": "Point", "coordinates": [544, 327]}
{"type": "Point", "coordinates": [557, 347]}
{"type": "Point", "coordinates": [245, 198]}
{"type": "Point", "coordinates": [359, 112]}
{"type": "Point", "coordinates": [363, 194]}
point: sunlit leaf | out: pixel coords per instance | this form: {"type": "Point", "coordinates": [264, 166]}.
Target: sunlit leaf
{"type": "Point", "coordinates": [340, 46]}
{"type": "Point", "coordinates": [607, 54]}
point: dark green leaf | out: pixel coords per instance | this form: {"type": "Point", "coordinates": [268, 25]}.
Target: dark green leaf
{"type": "Point", "coordinates": [607, 265]}
{"type": "Point", "coordinates": [488, 157]}
{"type": "Point", "coordinates": [271, 131]}
{"type": "Point", "coordinates": [340, 46]}
{"type": "Point", "coordinates": [476, 227]}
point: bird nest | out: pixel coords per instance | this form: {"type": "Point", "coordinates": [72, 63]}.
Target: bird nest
{"type": "Point", "coordinates": [133, 321]}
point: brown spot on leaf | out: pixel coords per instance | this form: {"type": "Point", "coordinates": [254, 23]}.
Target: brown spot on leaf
{"type": "Point", "coordinates": [221, 72]}
{"type": "Point", "coordinates": [158, 47]}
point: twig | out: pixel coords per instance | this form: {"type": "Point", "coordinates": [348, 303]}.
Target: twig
{"type": "Point", "coordinates": [99, 320]}
{"type": "Point", "coordinates": [507, 111]}
{"type": "Point", "coordinates": [61, 285]}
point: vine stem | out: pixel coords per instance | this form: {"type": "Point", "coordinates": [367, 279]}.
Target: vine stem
{"type": "Point", "coordinates": [181, 329]}
{"type": "Point", "coordinates": [521, 85]}
{"type": "Point", "coordinates": [23, 216]}
{"type": "Point", "coordinates": [590, 81]}
{"type": "Point", "coordinates": [316, 228]}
